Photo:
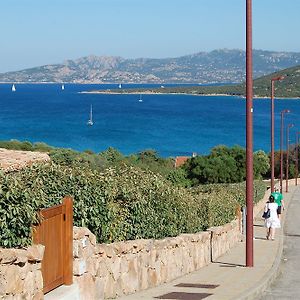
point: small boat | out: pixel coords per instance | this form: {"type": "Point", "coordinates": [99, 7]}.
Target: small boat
{"type": "Point", "coordinates": [120, 86]}
{"type": "Point", "coordinates": [13, 88]}
{"type": "Point", "coordinates": [62, 87]}
{"type": "Point", "coordinates": [90, 121]}
{"type": "Point", "coordinates": [140, 100]}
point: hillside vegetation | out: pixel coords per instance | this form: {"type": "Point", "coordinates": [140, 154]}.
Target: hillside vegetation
{"type": "Point", "coordinates": [289, 87]}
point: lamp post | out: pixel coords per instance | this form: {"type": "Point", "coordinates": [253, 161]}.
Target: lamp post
{"type": "Point", "coordinates": [297, 155]}
{"type": "Point", "coordinates": [281, 148]}
{"type": "Point", "coordinates": [249, 136]}
{"type": "Point", "coordinates": [287, 156]}
{"type": "Point", "coordinates": [272, 129]}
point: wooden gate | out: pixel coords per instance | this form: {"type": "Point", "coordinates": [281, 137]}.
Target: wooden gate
{"type": "Point", "coordinates": [56, 233]}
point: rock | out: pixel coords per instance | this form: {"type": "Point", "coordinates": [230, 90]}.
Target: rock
{"type": "Point", "coordinates": [79, 267]}
{"type": "Point", "coordinates": [7, 256]}
{"type": "Point", "coordinates": [35, 253]}
{"type": "Point", "coordinates": [86, 286]}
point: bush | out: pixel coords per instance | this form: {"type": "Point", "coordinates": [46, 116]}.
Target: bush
{"type": "Point", "coordinates": [118, 204]}
{"type": "Point", "coordinates": [224, 165]}
{"type": "Point", "coordinates": [220, 201]}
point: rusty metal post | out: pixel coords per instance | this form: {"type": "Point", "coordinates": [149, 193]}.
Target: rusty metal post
{"type": "Point", "coordinates": [272, 129]}
{"type": "Point", "coordinates": [287, 157]}
{"type": "Point", "coordinates": [249, 136]}
{"type": "Point", "coordinates": [281, 149]}
{"type": "Point", "coordinates": [272, 136]}
{"type": "Point", "coordinates": [296, 160]}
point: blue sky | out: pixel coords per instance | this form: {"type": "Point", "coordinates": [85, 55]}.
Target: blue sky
{"type": "Point", "coordinates": [38, 32]}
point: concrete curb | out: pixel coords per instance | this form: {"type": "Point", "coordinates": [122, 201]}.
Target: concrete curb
{"type": "Point", "coordinates": [257, 291]}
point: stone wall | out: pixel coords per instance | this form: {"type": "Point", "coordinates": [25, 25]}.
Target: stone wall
{"type": "Point", "coordinates": [111, 270]}
{"type": "Point", "coordinates": [20, 273]}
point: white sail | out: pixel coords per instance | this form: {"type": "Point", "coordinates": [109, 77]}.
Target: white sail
{"type": "Point", "coordinates": [13, 88]}
{"type": "Point", "coordinates": [120, 86]}
{"type": "Point", "coordinates": [62, 86]}
{"type": "Point", "coordinates": [90, 121]}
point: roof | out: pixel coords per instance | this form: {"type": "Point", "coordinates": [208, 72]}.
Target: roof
{"type": "Point", "coordinates": [180, 160]}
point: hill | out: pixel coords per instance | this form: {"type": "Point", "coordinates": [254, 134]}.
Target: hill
{"type": "Point", "coordinates": [289, 87]}
{"type": "Point", "coordinates": [218, 66]}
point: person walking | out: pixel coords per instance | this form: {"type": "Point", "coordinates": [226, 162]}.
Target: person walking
{"type": "Point", "coordinates": [279, 200]}
{"type": "Point", "coordinates": [273, 221]}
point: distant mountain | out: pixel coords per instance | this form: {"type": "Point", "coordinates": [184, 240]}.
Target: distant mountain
{"type": "Point", "coordinates": [218, 66]}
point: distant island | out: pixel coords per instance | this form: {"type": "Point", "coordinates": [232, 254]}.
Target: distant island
{"type": "Point", "coordinates": [218, 66]}
{"type": "Point", "coordinates": [289, 87]}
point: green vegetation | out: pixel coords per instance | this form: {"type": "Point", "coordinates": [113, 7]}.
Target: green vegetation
{"type": "Point", "coordinates": [122, 198]}
{"type": "Point", "coordinates": [289, 87]}
{"type": "Point", "coordinates": [224, 165]}
{"type": "Point", "coordinates": [118, 204]}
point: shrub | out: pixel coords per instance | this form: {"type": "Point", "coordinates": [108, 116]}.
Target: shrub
{"type": "Point", "coordinates": [224, 165]}
{"type": "Point", "coordinates": [118, 204]}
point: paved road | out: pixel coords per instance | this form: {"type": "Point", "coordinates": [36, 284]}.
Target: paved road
{"type": "Point", "coordinates": [287, 285]}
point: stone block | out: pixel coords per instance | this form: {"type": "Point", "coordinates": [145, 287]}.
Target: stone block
{"type": "Point", "coordinates": [143, 278]}
{"type": "Point", "coordinates": [38, 296]}
{"type": "Point", "coordinates": [102, 270]}
{"type": "Point", "coordinates": [35, 253]}
{"type": "Point", "coordinates": [79, 267]}
{"type": "Point", "coordinates": [99, 288]}
{"type": "Point", "coordinates": [76, 248]}
{"type": "Point", "coordinates": [92, 265]}
{"type": "Point", "coordinates": [114, 267]}
{"type": "Point", "coordinates": [105, 250]}
{"type": "Point", "coordinates": [29, 282]}
{"type": "Point", "coordinates": [86, 286]}
{"type": "Point", "coordinates": [7, 256]}
{"type": "Point", "coordinates": [14, 283]}
{"type": "Point", "coordinates": [109, 287]}
{"type": "Point", "coordinates": [80, 232]}
{"type": "Point", "coordinates": [38, 277]}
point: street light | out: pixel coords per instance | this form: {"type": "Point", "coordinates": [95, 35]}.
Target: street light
{"type": "Point", "coordinates": [281, 148]}
{"type": "Point", "coordinates": [249, 136]}
{"type": "Point", "coordinates": [272, 129]}
{"type": "Point", "coordinates": [297, 155]}
{"type": "Point", "coordinates": [287, 156]}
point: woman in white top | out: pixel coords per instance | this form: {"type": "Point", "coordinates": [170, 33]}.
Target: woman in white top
{"type": "Point", "coordinates": [273, 222]}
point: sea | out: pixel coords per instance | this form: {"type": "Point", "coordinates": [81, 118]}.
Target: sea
{"type": "Point", "coordinates": [173, 125]}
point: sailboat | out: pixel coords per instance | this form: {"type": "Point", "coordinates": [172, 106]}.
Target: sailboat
{"type": "Point", "coordinates": [62, 87]}
{"type": "Point", "coordinates": [90, 121]}
{"type": "Point", "coordinates": [13, 88]}
{"type": "Point", "coordinates": [140, 100]}
{"type": "Point", "coordinates": [120, 86]}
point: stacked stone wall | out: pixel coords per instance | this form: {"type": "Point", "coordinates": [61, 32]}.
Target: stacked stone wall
{"type": "Point", "coordinates": [110, 270]}
{"type": "Point", "coordinates": [20, 273]}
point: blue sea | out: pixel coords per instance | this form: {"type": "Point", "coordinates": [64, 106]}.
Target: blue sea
{"type": "Point", "coordinates": [171, 124]}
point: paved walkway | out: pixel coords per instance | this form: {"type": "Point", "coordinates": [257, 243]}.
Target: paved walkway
{"type": "Point", "coordinates": [228, 278]}
{"type": "Point", "coordinates": [287, 285]}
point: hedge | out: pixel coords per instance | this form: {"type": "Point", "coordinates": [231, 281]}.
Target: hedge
{"type": "Point", "coordinates": [118, 204]}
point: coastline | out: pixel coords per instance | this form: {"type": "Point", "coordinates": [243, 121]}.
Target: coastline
{"type": "Point", "coordinates": [105, 92]}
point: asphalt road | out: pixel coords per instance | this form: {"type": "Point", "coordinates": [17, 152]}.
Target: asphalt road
{"type": "Point", "coordinates": [287, 284]}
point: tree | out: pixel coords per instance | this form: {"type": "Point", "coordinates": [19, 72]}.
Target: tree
{"type": "Point", "coordinates": [261, 164]}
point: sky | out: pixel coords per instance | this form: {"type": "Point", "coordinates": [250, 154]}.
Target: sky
{"type": "Point", "coordinates": [39, 32]}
